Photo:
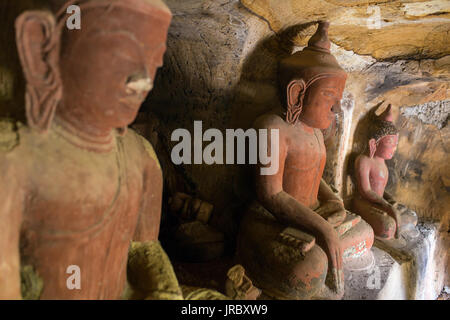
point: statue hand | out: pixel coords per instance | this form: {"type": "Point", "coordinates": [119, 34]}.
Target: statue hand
{"type": "Point", "coordinates": [394, 213]}
{"type": "Point", "coordinates": [330, 242]}
{"type": "Point", "coordinates": [333, 211]}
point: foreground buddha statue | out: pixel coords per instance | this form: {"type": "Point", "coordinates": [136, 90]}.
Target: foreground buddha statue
{"type": "Point", "coordinates": [372, 202]}
{"type": "Point", "coordinates": [76, 187]}
{"type": "Point", "coordinates": [299, 231]}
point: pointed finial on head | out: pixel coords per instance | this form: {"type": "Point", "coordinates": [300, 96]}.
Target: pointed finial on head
{"type": "Point", "coordinates": [320, 41]}
{"type": "Point", "coordinates": [386, 115]}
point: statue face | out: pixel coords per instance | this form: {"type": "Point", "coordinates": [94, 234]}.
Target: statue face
{"type": "Point", "coordinates": [320, 98]}
{"type": "Point", "coordinates": [109, 66]}
{"type": "Point", "coordinates": [386, 147]}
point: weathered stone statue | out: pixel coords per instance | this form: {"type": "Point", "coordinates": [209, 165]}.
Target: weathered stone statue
{"type": "Point", "coordinates": [77, 188]}
{"type": "Point", "coordinates": [371, 201]}
{"type": "Point", "coordinates": [299, 231]}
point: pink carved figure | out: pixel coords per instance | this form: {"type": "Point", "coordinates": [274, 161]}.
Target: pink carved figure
{"type": "Point", "coordinates": [372, 202]}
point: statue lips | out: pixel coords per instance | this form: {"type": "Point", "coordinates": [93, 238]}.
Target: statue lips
{"type": "Point", "coordinates": [133, 102]}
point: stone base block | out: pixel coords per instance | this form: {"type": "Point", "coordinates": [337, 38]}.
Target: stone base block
{"type": "Point", "coordinates": [400, 269]}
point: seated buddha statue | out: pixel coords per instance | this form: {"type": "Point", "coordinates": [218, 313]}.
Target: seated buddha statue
{"type": "Point", "coordinates": [372, 202]}
{"type": "Point", "coordinates": [296, 236]}
{"type": "Point", "coordinates": [76, 187]}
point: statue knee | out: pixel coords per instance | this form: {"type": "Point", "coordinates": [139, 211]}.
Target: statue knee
{"type": "Point", "coordinates": [358, 239]}
{"type": "Point", "coordinates": [289, 275]}
{"type": "Point", "coordinates": [307, 276]}
{"type": "Point", "coordinates": [386, 228]}
{"type": "Point", "coordinates": [281, 270]}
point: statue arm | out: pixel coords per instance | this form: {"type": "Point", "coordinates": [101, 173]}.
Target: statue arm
{"type": "Point", "coordinates": [331, 206]}
{"type": "Point", "coordinates": [389, 198]}
{"type": "Point", "coordinates": [291, 212]}
{"type": "Point", "coordinates": [150, 209]}
{"type": "Point", "coordinates": [269, 190]}
{"type": "Point", "coordinates": [365, 190]}
{"type": "Point", "coordinates": [288, 210]}
{"type": "Point", "coordinates": [149, 268]}
{"type": "Point", "coordinates": [327, 194]}
{"type": "Point", "coordinates": [363, 184]}
{"type": "Point", "coordinates": [11, 219]}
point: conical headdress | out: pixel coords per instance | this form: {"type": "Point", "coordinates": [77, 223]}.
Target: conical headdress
{"type": "Point", "coordinates": [382, 125]}
{"type": "Point", "coordinates": [312, 63]}
{"type": "Point", "coordinates": [313, 60]}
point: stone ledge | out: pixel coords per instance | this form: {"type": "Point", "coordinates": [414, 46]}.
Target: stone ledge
{"type": "Point", "coordinates": [402, 269]}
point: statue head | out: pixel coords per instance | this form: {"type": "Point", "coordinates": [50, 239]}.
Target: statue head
{"type": "Point", "coordinates": [383, 137]}
{"type": "Point", "coordinates": [95, 77]}
{"type": "Point", "coordinates": [312, 82]}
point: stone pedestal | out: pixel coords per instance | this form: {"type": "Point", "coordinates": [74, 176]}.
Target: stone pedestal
{"type": "Point", "coordinates": [400, 269]}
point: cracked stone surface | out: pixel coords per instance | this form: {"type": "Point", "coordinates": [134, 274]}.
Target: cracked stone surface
{"type": "Point", "coordinates": [382, 29]}
{"type": "Point", "coordinates": [435, 112]}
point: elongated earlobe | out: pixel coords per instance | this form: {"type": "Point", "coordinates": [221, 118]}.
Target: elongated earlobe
{"type": "Point", "coordinates": [39, 53]}
{"type": "Point", "coordinates": [372, 147]}
{"type": "Point", "coordinates": [295, 93]}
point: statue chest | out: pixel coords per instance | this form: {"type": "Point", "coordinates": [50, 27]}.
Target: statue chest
{"type": "Point", "coordinates": [378, 177]}
{"type": "Point", "coordinates": [71, 195]}
{"type": "Point", "coordinates": [305, 153]}
{"type": "Point", "coordinates": [82, 210]}
{"type": "Point", "coordinates": [304, 165]}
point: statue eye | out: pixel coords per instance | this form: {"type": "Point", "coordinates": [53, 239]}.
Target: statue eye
{"type": "Point", "coordinates": [328, 93]}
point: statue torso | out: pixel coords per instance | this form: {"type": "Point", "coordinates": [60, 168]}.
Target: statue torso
{"type": "Point", "coordinates": [304, 164]}
{"type": "Point", "coordinates": [378, 176]}
{"type": "Point", "coordinates": [81, 209]}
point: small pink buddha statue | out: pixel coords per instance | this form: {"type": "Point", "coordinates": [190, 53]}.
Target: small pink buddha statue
{"type": "Point", "coordinates": [372, 202]}
{"type": "Point", "coordinates": [294, 240]}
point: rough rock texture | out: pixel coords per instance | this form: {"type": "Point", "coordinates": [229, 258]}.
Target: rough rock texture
{"type": "Point", "coordinates": [408, 268]}
{"type": "Point", "coordinates": [435, 112]}
{"type": "Point", "coordinates": [382, 29]}
{"type": "Point", "coordinates": [420, 261]}
{"type": "Point", "coordinates": [220, 67]}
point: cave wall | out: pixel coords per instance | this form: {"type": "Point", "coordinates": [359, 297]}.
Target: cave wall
{"type": "Point", "coordinates": [221, 68]}
{"type": "Point", "coordinates": [12, 82]}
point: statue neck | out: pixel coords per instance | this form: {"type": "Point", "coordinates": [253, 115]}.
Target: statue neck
{"type": "Point", "coordinates": [304, 127]}
{"type": "Point", "coordinates": [93, 140]}
{"type": "Point", "coordinates": [378, 158]}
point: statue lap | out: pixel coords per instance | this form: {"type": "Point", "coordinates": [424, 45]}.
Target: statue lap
{"type": "Point", "coordinates": [282, 270]}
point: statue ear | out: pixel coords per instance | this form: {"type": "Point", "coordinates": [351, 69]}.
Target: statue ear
{"type": "Point", "coordinates": [372, 147]}
{"type": "Point", "coordinates": [295, 93]}
{"type": "Point", "coordinates": [39, 53]}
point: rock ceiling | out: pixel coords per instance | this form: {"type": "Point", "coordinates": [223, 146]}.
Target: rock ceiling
{"type": "Point", "coordinates": [380, 28]}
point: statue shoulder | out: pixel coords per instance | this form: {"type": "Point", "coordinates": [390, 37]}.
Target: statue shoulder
{"type": "Point", "coordinates": [145, 146]}
{"type": "Point", "coordinates": [269, 121]}
{"type": "Point", "coordinates": [9, 135]}
{"type": "Point", "coordinates": [362, 160]}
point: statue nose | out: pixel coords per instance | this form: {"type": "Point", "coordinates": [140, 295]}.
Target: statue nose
{"type": "Point", "coordinates": [336, 108]}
